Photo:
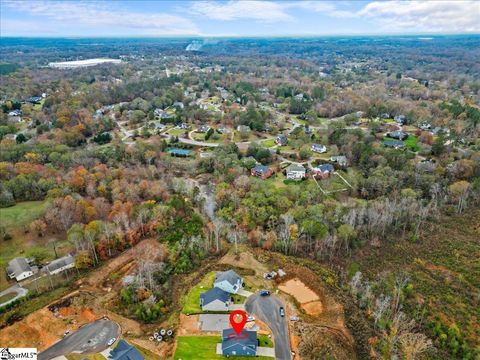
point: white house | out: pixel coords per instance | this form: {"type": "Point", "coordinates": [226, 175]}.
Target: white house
{"type": "Point", "coordinates": [215, 300]}
{"type": "Point", "coordinates": [295, 172]}
{"type": "Point", "coordinates": [319, 148]}
{"type": "Point", "coordinates": [61, 264]}
{"type": "Point", "coordinates": [19, 269]}
{"type": "Point", "coordinates": [228, 281]}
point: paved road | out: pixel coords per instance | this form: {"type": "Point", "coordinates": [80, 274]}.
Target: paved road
{"type": "Point", "coordinates": [91, 338]}
{"type": "Point", "coordinates": [266, 309]}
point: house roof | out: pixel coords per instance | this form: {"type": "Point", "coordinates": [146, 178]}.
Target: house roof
{"type": "Point", "coordinates": [245, 338]}
{"type": "Point", "coordinates": [339, 158]}
{"type": "Point", "coordinates": [125, 351]}
{"type": "Point", "coordinates": [230, 276]}
{"type": "Point", "coordinates": [261, 169]}
{"type": "Point", "coordinates": [214, 294]}
{"type": "Point", "coordinates": [325, 168]}
{"type": "Point", "coordinates": [61, 262]}
{"type": "Point", "coordinates": [318, 146]}
{"type": "Point", "coordinates": [182, 152]}
{"type": "Point", "coordinates": [393, 143]}
{"type": "Point", "coordinates": [17, 266]}
{"type": "Point", "coordinates": [295, 167]}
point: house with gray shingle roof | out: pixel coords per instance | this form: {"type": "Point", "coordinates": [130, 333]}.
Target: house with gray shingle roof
{"type": "Point", "coordinates": [125, 351]}
{"type": "Point", "coordinates": [61, 264]}
{"type": "Point", "coordinates": [228, 281]}
{"type": "Point", "coordinates": [295, 172]}
{"type": "Point", "coordinates": [215, 299]}
{"type": "Point", "coordinates": [19, 269]}
{"type": "Point", "coordinates": [243, 344]}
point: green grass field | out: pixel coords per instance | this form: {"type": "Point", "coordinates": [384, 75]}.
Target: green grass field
{"type": "Point", "coordinates": [203, 348]}
{"type": "Point", "coordinates": [411, 143]}
{"type": "Point", "coordinates": [21, 214]}
{"type": "Point", "coordinates": [268, 143]}
{"type": "Point", "coordinates": [192, 300]}
{"type": "Point", "coordinates": [265, 341]}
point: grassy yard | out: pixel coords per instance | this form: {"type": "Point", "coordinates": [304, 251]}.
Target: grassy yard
{"type": "Point", "coordinates": [176, 132]}
{"type": "Point", "coordinates": [85, 356]}
{"type": "Point", "coordinates": [203, 348]}
{"type": "Point", "coordinates": [238, 299]}
{"type": "Point", "coordinates": [411, 143]}
{"type": "Point", "coordinates": [192, 300]}
{"type": "Point", "coordinates": [268, 143]}
{"type": "Point", "coordinates": [265, 341]}
{"type": "Point", "coordinates": [22, 213]}
{"type": "Point", "coordinates": [7, 297]}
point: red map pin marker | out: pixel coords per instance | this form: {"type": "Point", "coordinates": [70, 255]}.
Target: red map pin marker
{"type": "Point", "coordinates": [238, 319]}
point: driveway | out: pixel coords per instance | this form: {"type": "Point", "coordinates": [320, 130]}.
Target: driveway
{"type": "Point", "coordinates": [20, 291]}
{"type": "Point", "coordinates": [89, 339]}
{"type": "Point", "coordinates": [244, 292]}
{"type": "Point", "coordinates": [266, 309]}
{"type": "Point", "coordinates": [214, 322]}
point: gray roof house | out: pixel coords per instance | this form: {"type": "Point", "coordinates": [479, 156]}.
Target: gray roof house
{"type": "Point", "coordinates": [19, 268]}
{"type": "Point", "coordinates": [295, 172]}
{"type": "Point", "coordinates": [339, 159]}
{"type": "Point", "coordinates": [61, 264]}
{"type": "Point", "coordinates": [215, 300]}
{"type": "Point", "coordinates": [243, 344]}
{"type": "Point", "coordinates": [281, 140]}
{"type": "Point", "coordinates": [400, 135]}
{"type": "Point", "coordinates": [125, 351]}
{"type": "Point", "coordinates": [228, 281]}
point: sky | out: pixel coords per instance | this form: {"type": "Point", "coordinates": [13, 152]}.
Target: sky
{"type": "Point", "coordinates": [102, 18]}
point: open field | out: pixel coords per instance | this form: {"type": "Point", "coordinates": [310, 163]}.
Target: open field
{"type": "Point", "coordinates": [22, 213]}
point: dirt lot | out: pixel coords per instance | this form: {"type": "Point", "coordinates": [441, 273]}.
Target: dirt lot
{"type": "Point", "coordinates": [306, 297]}
{"type": "Point", "coordinates": [42, 328]}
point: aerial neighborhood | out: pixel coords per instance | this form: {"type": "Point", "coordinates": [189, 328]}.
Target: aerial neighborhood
{"type": "Point", "coordinates": [189, 198]}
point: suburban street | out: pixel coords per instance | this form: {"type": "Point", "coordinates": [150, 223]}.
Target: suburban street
{"type": "Point", "coordinates": [91, 338]}
{"type": "Point", "coordinates": [266, 309]}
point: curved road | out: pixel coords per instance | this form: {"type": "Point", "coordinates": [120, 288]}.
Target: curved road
{"type": "Point", "coordinates": [266, 308]}
{"type": "Point", "coordinates": [90, 338]}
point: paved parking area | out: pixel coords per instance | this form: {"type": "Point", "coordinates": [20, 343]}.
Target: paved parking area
{"type": "Point", "coordinates": [214, 322]}
{"type": "Point", "coordinates": [244, 292]}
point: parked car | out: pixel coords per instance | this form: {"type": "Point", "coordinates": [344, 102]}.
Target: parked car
{"type": "Point", "coordinates": [66, 333]}
{"type": "Point", "coordinates": [250, 318]}
{"type": "Point", "coordinates": [264, 293]}
{"type": "Point", "coordinates": [282, 311]}
{"type": "Point", "coordinates": [111, 341]}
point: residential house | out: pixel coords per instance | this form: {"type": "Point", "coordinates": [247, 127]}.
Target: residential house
{"type": "Point", "coordinates": [125, 351]}
{"type": "Point", "coordinates": [438, 130]}
{"type": "Point", "coordinates": [340, 160]}
{"type": "Point", "coordinates": [203, 129]}
{"type": "Point", "coordinates": [243, 128]}
{"type": "Point", "coordinates": [16, 112]}
{"type": "Point", "coordinates": [162, 114]}
{"type": "Point", "coordinates": [34, 99]}
{"type": "Point", "coordinates": [400, 119]}
{"type": "Point", "coordinates": [19, 269]}
{"type": "Point", "coordinates": [243, 344]}
{"type": "Point", "coordinates": [228, 281]}
{"type": "Point", "coordinates": [319, 148]}
{"type": "Point", "coordinates": [323, 171]}
{"type": "Point", "coordinates": [261, 171]}
{"type": "Point", "coordinates": [359, 114]}
{"type": "Point", "coordinates": [295, 172]}
{"type": "Point", "coordinates": [183, 126]}
{"type": "Point", "coordinates": [396, 144]}
{"type": "Point", "coordinates": [61, 264]}
{"type": "Point", "coordinates": [215, 300]}
{"type": "Point", "coordinates": [424, 126]}
{"type": "Point", "coordinates": [399, 135]}
{"type": "Point", "coordinates": [385, 116]}
{"type": "Point", "coordinates": [281, 140]}
{"type": "Point", "coordinates": [179, 105]}
{"type": "Point", "coordinates": [179, 152]}
{"type": "Point", "coordinates": [308, 130]}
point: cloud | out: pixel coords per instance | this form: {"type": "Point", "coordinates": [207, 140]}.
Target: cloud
{"type": "Point", "coordinates": [94, 15]}
{"type": "Point", "coordinates": [263, 11]}
{"type": "Point", "coordinates": [428, 16]}
{"type": "Point", "coordinates": [325, 8]}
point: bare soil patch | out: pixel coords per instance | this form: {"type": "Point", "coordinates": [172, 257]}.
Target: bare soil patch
{"type": "Point", "coordinates": [244, 259]}
{"type": "Point", "coordinates": [189, 325]}
{"type": "Point", "coordinates": [314, 308]}
{"type": "Point", "coordinates": [299, 291]}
